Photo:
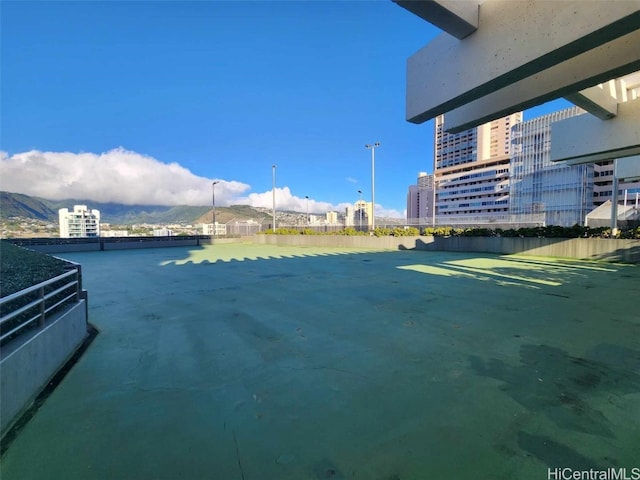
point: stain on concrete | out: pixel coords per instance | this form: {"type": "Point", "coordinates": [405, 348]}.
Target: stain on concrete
{"type": "Point", "coordinates": [555, 454]}
{"type": "Point", "coordinates": [270, 344]}
{"type": "Point", "coordinates": [326, 470]}
{"type": "Point", "coordinates": [554, 383]}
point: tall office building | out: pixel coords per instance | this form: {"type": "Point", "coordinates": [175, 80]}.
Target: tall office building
{"type": "Point", "coordinates": [81, 222]}
{"type": "Point", "coordinates": [500, 173]}
{"type": "Point", "coordinates": [420, 200]}
{"type": "Point", "coordinates": [471, 171]}
{"type": "Point", "coordinates": [562, 193]}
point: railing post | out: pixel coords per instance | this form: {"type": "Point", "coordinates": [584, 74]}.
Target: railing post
{"type": "Point", "coordinates": [41, 293]}
{"type": "Point", "coordinates": [78, 286]}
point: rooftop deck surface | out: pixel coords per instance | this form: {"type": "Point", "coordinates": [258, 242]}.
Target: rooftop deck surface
{"type": "Point", "coordinates": [245, 361]}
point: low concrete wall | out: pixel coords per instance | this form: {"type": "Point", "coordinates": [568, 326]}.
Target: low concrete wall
{"type": "Point", "coordinates": [169, 242]}
{"type": "Point", "coordinates": [28, 367]}
{"type": "Point", "coordinates": [615, 250]}
{"type": "Point", "coordinates": [223, 240]}
{"type": "Point", "coordinates": [356, 241]}
{"type": "Point", "coordinates": [63, 247]}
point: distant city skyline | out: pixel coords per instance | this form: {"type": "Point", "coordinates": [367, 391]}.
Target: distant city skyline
{"type": "Point", "coordinates": [150, 102]}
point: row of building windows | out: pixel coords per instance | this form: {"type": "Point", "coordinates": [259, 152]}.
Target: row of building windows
{"type": "Point", "coordinates": [491, 188]}
{"type": "Point", "coordinates": [474, 204]}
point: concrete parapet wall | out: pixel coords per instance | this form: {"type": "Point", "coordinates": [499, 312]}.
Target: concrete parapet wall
{"type": "Point", "coordinates": [28, 367]}
{"type": "Point", "coordinates": [65, 247]}
{"type": "Point", "coordinates": [357, 241]}
{"type": "Point", "coordinates": [617, 250]}
{"type": "Point", "coordinates": [126, 245]}
{"type": "Point", "coordinates": [217, 240]}
{"type": "Point", "coordinates": [62, 245]}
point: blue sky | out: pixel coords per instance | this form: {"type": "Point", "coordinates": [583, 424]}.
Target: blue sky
{"type": "Point", "coordinates": [150, 101]}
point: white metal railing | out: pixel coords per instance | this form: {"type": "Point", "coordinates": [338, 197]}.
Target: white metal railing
{"type": "Point", "coordinates": [37, 310]}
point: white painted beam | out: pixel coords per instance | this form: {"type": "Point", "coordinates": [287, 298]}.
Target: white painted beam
{"type": "Point", "coordinates": [628, 169]}
{"type": "Point", "coordinates": [514, 41]}
{"type": "Point", "coordinates": [600, 100]}
{"type": "Point", "coordinates": [587, 139]}
{"type": "Point", "coordinates": [611, 60]}
{"type": "Point", "coordinates": [456, 17]}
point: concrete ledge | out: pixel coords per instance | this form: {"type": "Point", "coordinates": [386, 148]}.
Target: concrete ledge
{"type": "Point", "coordinates": [586, 138]}
{"type": "Point", "coordinates": [28, 367]}
{"type": "Point", "coordinates": [598, 65]}
{"type": "Point", "coordinates": [614, 250]}
{"type": "Point", "coordinates": [125, 245]}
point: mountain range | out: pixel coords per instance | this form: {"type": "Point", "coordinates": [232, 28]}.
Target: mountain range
{"type": "Point", "coordinates": [25, 206]}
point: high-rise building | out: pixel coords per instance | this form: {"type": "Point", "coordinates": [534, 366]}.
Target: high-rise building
{"type": "Point", "coordinates": [348, 216]}
{"type": "Point", "coordinates": [420, 200]}
{"type": "Point", "coordinates": [332, 218]}
{"type": "Point", "coordinates": [562, 193]}
{"type": "Point", "coordinates": [363, 213]}
{"type": "Point", "coordinates": [471, 171]}
{"type": "Point", "coordinates": [79, 223]}
{"type": "Point", "coordinates": [214, 229]}
{"type": "Point", "coordinates": [603, 185]}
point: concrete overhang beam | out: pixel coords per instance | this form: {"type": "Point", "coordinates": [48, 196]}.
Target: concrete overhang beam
{"type": "Point", "coordinates": [515, 40]}
{"type": "Point", "coordinates": [611, 60]}
{"type": "Point", "coordinates": [587, 139]}
{"type": "Point", "coordinates": [456, 17]}
{"type": "Point", "coordinates": [628, 168]}
{"type": "Point", "coordinates": [600, 100]}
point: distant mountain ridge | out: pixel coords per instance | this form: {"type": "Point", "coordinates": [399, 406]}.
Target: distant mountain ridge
{"type": "Point", "coordinates": [19, 205]}
{"type": "Point", "coordinates": [25, 206]}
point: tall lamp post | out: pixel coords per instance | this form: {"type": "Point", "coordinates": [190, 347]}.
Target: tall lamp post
{"type": "Point", "coordinates": [360, 210]}
{"type": "Point", "coordinates": [273, 192]}
{"type": "Point", "coordinates": [307, 197]}
{"type": "Point", "coordinates": [213, 198]}
{"type": "Point", "coordinates": [373, 183]}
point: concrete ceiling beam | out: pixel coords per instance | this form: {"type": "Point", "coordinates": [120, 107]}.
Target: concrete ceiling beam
{"type": "Point", "coordinates": [601, 64]}
{"type": "Point", "coordinates": [456, 17]}
{"type": "Point", "coordinates": [600, 100]}
{"type": "Point", "coordinates": [515, 40]}
{"type": "Point", "coordinates": [587, 139]}
{"type": "Point", "coordinates": [628, 168]}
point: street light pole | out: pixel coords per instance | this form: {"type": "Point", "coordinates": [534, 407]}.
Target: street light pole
{"type": "Point", "coordinates": [360, 210]}
{"type": "Point", "coordinates": [273, 192]}
{"type": "Point", "coordinates": [213, 195]}
{"type": "Point", "coordinates": [308, 220]}
{"type": "Point", "coordinates": [373, 183]}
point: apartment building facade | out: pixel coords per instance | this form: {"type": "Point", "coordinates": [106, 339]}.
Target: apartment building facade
{"type": "Point", "coordinates": [362, 213]}
{"type": "Point", "coordinates": [628, 191]}
{"type": "Point", "coordinates": [471, 172]}
{"type": "Point", "coordinates": [81, 222]}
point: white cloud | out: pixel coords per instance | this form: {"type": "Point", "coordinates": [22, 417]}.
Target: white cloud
{"type": "Point", "coordinates": [119, 176]}
{"type": "Point", "coordinates": [130, 178]}
{"type": "Point", "coordinates": [389, 212]}
{"type": "Point", "coordinates": [351, 180]}
{"type": "Point", "coordinates": [286, 201]}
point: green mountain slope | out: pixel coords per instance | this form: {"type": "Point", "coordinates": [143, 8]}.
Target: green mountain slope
{"type": "Point", "coordinates": [19, 205]}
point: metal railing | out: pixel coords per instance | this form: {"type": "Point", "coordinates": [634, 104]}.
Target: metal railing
{"type": "Point", "coordinates": [30, 307]}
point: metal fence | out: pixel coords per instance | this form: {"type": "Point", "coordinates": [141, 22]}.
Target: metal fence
{"type": "Point", "coordinates": [30, 308]}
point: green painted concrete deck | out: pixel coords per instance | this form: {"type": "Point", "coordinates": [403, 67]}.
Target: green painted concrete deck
{"type": "Point", "coordinates": [252, 362]}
